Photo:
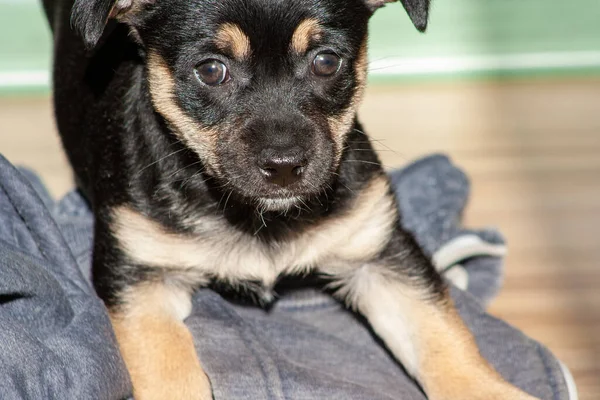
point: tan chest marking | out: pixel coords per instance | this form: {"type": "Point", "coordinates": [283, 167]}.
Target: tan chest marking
{"type": "Point", "coordinates": [218, 250]}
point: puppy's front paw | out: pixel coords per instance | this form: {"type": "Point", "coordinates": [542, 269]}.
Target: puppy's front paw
{"type": "Point", "coordinates": [161, 361]}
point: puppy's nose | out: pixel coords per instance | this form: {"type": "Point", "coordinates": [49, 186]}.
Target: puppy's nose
{"type": "Point", "coordinates": [282, 171]}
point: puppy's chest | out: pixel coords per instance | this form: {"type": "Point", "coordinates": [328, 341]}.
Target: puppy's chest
{"type": "Point", "coordinates": [232, 256]}
{"type": "Point", "coordinates": [217, 250]}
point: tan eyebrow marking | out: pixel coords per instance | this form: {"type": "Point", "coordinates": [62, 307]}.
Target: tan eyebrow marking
{"type": "Point", "coordinates": [230, 37]}
{"type": "Point", "coordinates": [307, 31]}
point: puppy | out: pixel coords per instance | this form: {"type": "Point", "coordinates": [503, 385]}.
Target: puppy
{"type": "Point", "coordinates": [217, 142]}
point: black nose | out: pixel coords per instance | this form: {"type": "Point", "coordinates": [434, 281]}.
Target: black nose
{"type": "Point", "coordinates": [282, 171]}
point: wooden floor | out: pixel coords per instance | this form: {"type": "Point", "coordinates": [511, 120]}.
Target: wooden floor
{"type": "Point", "coordinates": [532, 150]}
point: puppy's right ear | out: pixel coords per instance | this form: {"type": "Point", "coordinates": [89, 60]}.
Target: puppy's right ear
{"type": "Point", "coordinates": [89, 17]}
{"type": "Point", "coordinates": [417, 10]}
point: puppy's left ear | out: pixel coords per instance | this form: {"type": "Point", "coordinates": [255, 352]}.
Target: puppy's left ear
{"type": "Point", "coordinates": [89, 17]}
{"type": "Point", "coordinates": [417, 10]}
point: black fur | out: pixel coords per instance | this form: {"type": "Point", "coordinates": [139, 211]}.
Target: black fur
{"type": "Point", "coordinates": [124, 152]}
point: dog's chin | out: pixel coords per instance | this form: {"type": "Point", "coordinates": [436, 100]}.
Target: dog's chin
{"type": "Point", "coordinates": [281, 204]}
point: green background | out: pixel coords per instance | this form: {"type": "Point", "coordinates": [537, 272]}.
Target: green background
{"type": "Point", "coordinates": [467, 31]}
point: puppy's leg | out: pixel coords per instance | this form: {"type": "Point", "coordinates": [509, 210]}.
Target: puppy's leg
{"type": "Point", "coordinates": [408, 306]}
{"type": "Point", "coordinates": [157, 347]}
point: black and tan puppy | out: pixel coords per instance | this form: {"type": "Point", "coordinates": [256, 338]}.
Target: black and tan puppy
{"type": "Point", "coordinates": [217, 142]}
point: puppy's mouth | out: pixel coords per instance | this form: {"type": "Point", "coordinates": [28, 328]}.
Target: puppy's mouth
{"type": "Point", "coordinates": [281, 204]}
{"type": "Point", "coordinates": [251, 190]}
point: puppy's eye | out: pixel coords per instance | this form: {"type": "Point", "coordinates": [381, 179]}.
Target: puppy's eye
{"type": "Point", "coordinates": [212, 72]}
{"type": "Point", "coordinates": [326, 64]}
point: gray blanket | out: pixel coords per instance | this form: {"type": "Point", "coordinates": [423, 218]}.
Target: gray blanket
{"type": "Point", "coordinates": [56, 341]}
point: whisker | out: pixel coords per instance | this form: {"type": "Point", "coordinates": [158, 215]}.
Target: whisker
{"type": "Point", "coordinates": [327, 188]}
{"type": "Point", "coordinates": [305, 205]}
{"type": "Point", "coordinates": [260, 214]}
{"type": "Point", "coordinates": [344, 185]}
{"type": "Point", "coordinates": [384, 67]}
{"type": "Point", "coordinates": [157, 161]}
{"type": "Point", "coordinates": [226, 200]}
{"type": "Point", "coordinates": [384, 166]}
{"type": "Point", "coordinates": [326, 196]}
{"type": "Point", "coordinates": [371, 61]}
{"type": "Point", "coordinates": [377, 150]}
{"type": "Point", "coordinates": [392, 150]}
{"type": "Point", "coordinates": [364, 162]}
{"type": "Point", "coordinates": [182, 168]}
{"type": "Point", "coordinates": [258, 230]}
{"type": "Point", "coordinates": [299, 209]}
{"type": "Point", "coordinates": [319, 201]}
{"type": "Point", "coordinates": [189, 179]}
{"type": "Point", "coordinates": [317, 196]}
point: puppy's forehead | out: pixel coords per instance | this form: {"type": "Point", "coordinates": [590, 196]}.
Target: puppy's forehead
{"type": "Point", "coordinates": [257, 26]}
{"type": "Point", "coordinates": [276, 27]}
{"type": "Point", "coordinates": [230, 37]}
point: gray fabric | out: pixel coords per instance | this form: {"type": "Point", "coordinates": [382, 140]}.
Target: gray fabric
{"type": "Point", "coordinates": [55, 337]}
{"type": "Point", "coordinates": [56, 340]}
{"type": "Point", "coordinates": [432, 195]}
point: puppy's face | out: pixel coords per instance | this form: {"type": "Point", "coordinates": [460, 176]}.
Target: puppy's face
{"type": "Point", "coordinates": [264, 91]}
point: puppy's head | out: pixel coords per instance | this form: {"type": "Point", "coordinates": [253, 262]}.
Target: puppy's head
{"type": "Point", "coordinates": [264, 91]}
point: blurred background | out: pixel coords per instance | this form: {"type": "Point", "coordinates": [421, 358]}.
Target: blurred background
{"type": "Point", "coordinates": [510, 89]}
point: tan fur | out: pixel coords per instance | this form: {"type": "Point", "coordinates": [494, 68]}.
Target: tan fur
{"type": "Point", "coordinates": [231, 38]}
{"type": "Point", "coordinates": [340, 125]}
{"type": "Point", "coordinates": [451, 366]}
{"type": "Point", "coordinates": [428, 337]}
{"type": "Point", "coordinates": [306, 32]}
{"type": "Point", "coordinates": [162, 90]}
{"type": "Point", "coordinates": [216, 249]}
{"type": "Point", "coordinates": [157, 347]}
